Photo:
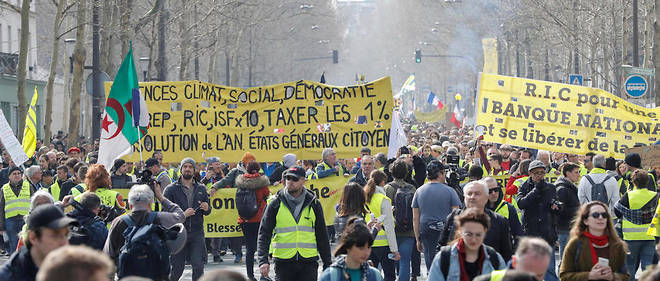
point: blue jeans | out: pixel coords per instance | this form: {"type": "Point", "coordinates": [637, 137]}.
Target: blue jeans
{"type": "Point", "coordinates": [550, 274]}
{"type": "Point", "coordinates": [406, 247]}
{"type": "Point", "coordinates": [429, 239]}
{"type": "Point", "coordinates": [641, 251]}
{"type": "Point", "coordinates": [13, 226]}
{"type": "Point", "coordinates": [562, 236]}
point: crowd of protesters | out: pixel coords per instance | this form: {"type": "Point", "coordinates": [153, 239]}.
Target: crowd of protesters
{"type": "Point", "coordinates": [471, 209]}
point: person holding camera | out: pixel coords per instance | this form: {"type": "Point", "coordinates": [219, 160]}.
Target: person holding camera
{"type": "Point", "coordinates": [162, 177]}
{"type": "Point", "coordinates": [537, 200]}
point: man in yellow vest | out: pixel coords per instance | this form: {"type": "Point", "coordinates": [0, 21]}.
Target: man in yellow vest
{"type": "Point", "coordinates": [507, 210]}
{"type": "Point", "coordinates": [56, 188]}
{"type": "Point", "coordinates": [161, 175]}
{"type": "Point", "coordinates": [294, 223]}
{"type": "Point", "coordinates": [532, 255]}
{"type": "Point", "coordinates": [14, 204]}
{"type": "Point", "coordinates": [329, 166]}
{"type": "Point", "coordinates": [636, 209]}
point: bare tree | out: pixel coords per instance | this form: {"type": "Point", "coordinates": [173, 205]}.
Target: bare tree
{"type": "Point", "coordinates": [53, 71]}
{"type": "Point", "coordinates": [79, 55]}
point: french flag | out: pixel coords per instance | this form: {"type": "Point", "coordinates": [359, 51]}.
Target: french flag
{"type": "Point", "coordinates": [456, 117]}
{"type": "Point", "coordinates": [434, 100]}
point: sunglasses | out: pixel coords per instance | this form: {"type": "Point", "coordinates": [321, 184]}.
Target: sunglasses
{"type": "Point", "coordinates": [493, 190]}
{"type": "Point", "coordinates": [293, 179]}
{"type": "Point", "coordinates": [599, 214]}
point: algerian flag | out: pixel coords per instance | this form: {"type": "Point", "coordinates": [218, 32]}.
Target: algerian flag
{"type": "Point", "coordinates": [124, 110]}
{"type": "Point", "coordinates": [30, 131]}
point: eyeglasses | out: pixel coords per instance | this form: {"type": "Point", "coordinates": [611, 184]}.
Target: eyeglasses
{"type": "Point", "coordinates": [599, 214]}
{"type": "Point", "coordinates": [539, 173]}
{"type": "Point", "coordinates": [294, 179]}
{"type": "Point", "coordinates": [493, 190]}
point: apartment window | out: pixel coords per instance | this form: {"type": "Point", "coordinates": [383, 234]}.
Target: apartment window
{"type": "Point", "coordinates": [2, 42]}
{"type": "Point", "coordinates": [9, 38]}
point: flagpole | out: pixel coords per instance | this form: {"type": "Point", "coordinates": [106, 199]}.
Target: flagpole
{"type": "Point", "coordinates": [139, 143]}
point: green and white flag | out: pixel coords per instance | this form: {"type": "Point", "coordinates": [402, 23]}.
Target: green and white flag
{"type": "Point", "coordinates": [125, 111]}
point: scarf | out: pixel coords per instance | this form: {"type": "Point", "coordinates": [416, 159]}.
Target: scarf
{"type": "Point", "coordinates": [460, 246]}
{"type": "Point", "coordinates": [600, 241]}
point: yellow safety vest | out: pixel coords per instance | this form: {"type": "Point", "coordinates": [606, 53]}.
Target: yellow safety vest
{"type": "Point", "coordinates": [163, 173]}
{"type": "Point", "coordinates": [75, 192]}
{"type": "Point", "coordinates": [54, 190]}
{"type": "Point", "coordinates": [374, 208]}
{"type": "Point", "coordinates": [108, 197]}
{"type": "Point", "coordinates": [497, 275]}
{"type": "Point", "coordinates": [502, 209]}
{"type": "Point", "coordinates": [637, 199]}
{"type": "Point", "coordinates": [291, 237]}
{"type": "Point", "coordinates": [15, 206]}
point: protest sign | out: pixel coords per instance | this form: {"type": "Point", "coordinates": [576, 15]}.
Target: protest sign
{"type": "Point", "coordinates": [650, 155]}
{"type": "Point", "coordinates": [223, 220]}
{"type": "Point", "coordinates": [10, 142]}
{"type": "Point", "coordinates": [561, 117]}
{"type": "Point", "coordinates": [188, 118]}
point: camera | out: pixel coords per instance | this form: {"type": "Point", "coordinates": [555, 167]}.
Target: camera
{"type": "Point", "coordinates": [108, 214]}
{"type": "Point", "coordinates": [144, 177]}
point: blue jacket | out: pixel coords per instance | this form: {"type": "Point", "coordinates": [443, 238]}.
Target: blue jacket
{"type": "Point", "coordinates": [336, 272]}
{"type": "Point", "coordinates": [435, 273]}
{"type": "Point", "coordinates": [98, 229]}
{"type": "Point", "coordinates": [174, 192]}
{"type": "Point", "coordinates": [19, 267]}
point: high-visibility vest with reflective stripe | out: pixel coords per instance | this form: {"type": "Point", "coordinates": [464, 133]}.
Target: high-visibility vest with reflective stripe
{"type": "Point", "coordinates": [16, 205]}
{"type": "Point", "coordinates": [54, 190]}
{"type": "Point", "coordinates": [497, 275]}
{"type": "Point", "coordinates": [637, 199]}
{"type": "Point", "coordinates": [75, 192]}
{"type": "Point", "coordinates": [164, 173]}
{"type": "Point", "coordinates": [108, 197]}
{"type": "Point", "coordinates": [291, 237]}
{"type": "Point", "coordinates": [341, 169]}
{"type": "Point", "coordinates": [374, 207]}
{"type": "Point", "coordinates": [503, 209]}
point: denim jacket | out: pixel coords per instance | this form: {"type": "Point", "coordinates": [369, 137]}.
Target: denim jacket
{"type": "Point", "coordinates": [336, 272]}
{"type": "Point", "coordinates": [435, 273]}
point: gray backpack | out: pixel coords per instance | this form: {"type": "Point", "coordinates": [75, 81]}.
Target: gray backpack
{"type": "Point", "coordinates": [598, 190]}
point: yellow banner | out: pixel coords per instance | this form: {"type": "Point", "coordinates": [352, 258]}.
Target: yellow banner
{"type": "Point", "coordinates": [490, 55]}
{"type": "Point", "coordinates": [435, 116]}
{"type": "Point", "coordinates": [561, 117]}
{"type": "Point", "coordinates": [188, 118]}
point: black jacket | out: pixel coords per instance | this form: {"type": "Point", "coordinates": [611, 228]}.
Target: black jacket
{"type": "Point", "coordinates": [268, 222]}
{"type": "Point", "coordinates": [359, 178]}
{"type": "Point", "coordinates": [514, 221]}
{"type": "Point", "coordinates": [568, 197]}
{"type": "Point", "coordinates": [174, 192]}
{"type": "Point", "coordinates": [98, 230]}
{"type": "Point", "coordinates": [538, 218]}
{"type": "Point", "coordinates": [498, 235]}
{"type": "Point", "coordinates": [276, 176]}
{"type": "Point", "coordinates": [19, 267]}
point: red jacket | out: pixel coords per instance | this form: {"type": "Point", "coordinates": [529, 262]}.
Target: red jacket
{"type": "Point", "coordinates": [260, 184]}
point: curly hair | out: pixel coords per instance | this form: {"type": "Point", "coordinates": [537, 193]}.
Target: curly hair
{"type": "Point", "coordinates": [97, 177]}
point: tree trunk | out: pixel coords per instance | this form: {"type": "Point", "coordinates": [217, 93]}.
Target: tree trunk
{"type": "Point", "coordinates": [79, 55]}
{"type": "Point", "coordinates": [53, 72]}
{"type": "Point", "coordinates": [656, 52]}
{"type": "Point", "coordinates": [624, 37]}
{"type": "Point", "coordinates": [125, 10]}
{"type": "Point", "coordinates": [22, 67]}
{"type": "Point", "coordinates": [161, 63]}
{"type": "Point", "coordinates": [107, 36]}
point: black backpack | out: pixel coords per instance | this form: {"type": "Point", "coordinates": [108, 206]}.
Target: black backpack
{"type": "Point", "coordinates": [145, 253]}
{"type": "Point", "coordinates": [246, 203]}
{"type": "Point", "coordinates": [403, 218]}
{"type": "Point", "coordinates": [598, 190]}
{"type": "Point", "coordinates": [445, 256]}
{"type": "Point", "coordinates": [82, 234]}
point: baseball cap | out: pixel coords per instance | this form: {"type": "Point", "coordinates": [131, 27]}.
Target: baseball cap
{"type": "Point", "coordinates": [49, 216]}
{"type": "Point", "coordinates": [535, 164]}
{"type": "Point", "coordinates": [295, 171]}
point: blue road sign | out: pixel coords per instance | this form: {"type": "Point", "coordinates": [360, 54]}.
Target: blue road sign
{"type": "Point", "coordinates": [575, 79]}
{"type": "Point", "coordinates": [635, 86]}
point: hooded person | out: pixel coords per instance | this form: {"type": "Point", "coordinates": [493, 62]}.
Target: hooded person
{"type": "Point", "coordinates": [288, 161]}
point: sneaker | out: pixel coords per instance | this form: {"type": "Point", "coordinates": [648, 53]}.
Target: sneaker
{"type": "Point", "coordinates": [217, 259]}
{"type": "Point", "coordinates": [222, 253]}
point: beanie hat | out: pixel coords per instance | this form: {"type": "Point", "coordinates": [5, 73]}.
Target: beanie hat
{"type": "Point", "coordinates": [188, 160]}
{"type": "Point", "coordinates": [289, 160]}
{"type": "Point", "coordinates": [634, 160]}
{"type": "Point", "coordinates": [14, 168]}
{"type": "Point", "coordinates": [118, 163]}
{"type": "Point", "coordinates": [247, 157]}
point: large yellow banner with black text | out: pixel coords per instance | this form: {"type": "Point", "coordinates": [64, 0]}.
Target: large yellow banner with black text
{"type": "Point", "coordinates": [561, 117]}
{"type": "Point", "coordinates": [188, 118]}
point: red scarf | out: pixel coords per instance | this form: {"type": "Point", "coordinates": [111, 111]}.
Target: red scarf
{"type": "Point", "coordinates": [461, 259]}
{"type": "Point", "coordinates": [600, 241]}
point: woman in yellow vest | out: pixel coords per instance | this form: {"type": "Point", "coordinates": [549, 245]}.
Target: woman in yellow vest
{"type": "Point", "coordinates": [635, 209]}
{"type": "Point", "coordinates": [97, 180]}
{"type": "Point", "coordinates": [380, 206]}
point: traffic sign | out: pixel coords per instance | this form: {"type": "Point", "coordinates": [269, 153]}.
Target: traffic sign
{"type": "Point", "coordinates": [635, 86]}
{"type": "Point", "coordinates": [575, 79]}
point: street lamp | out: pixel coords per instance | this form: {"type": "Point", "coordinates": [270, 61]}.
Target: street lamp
{"type": "Point", "coordinates": [144, 65]}
{"type": "Point", "coordinates": [69, 45]}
